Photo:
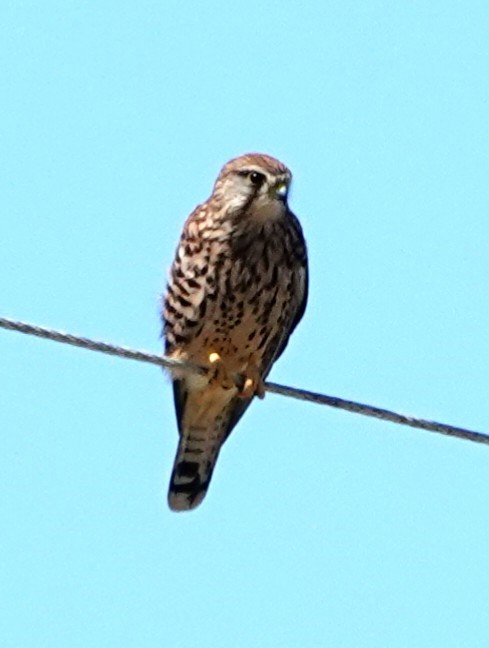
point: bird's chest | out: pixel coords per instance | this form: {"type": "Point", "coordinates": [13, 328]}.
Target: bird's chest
{"type": "Point", "coordinates": [251, 305]}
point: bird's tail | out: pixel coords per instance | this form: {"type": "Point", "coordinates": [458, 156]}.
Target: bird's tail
{"type": "Point", "coordinates": [196, 457]}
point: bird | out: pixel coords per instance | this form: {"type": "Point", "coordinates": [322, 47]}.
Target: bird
{"type": "Point", "coordinates": [237, 289]}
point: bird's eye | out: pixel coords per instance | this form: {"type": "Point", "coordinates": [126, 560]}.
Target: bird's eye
{"type": "Point", "coordinates": [256, 178]}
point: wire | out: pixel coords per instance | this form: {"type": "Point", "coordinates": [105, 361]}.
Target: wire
{"type": "Point", "coordinates": [290, 392]}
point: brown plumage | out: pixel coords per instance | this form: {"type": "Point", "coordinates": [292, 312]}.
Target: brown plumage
{"type": "Point", "coordinates": [237, 290]}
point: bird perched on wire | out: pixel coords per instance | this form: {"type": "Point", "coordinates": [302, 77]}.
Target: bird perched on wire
{"type": "Point", "coordinates": [237, 290]}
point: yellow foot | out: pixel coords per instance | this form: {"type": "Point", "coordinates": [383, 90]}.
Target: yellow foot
{"type": "Point", "coordinates": [253, 384]}
{"type": "Point", "coordinates": [252, 388]}
{"type": "Point", "coordinates": [219, 375]}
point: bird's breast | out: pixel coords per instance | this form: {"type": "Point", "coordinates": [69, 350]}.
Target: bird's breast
{"type": "Point", "coordinates": [254, 295]}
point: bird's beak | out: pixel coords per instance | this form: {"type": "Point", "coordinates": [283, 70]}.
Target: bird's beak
{"type": "Point", "coordinates": [281, 190]}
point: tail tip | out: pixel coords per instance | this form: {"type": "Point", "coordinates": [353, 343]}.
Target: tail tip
{"type": "Point", "coordinates": [179, 500]}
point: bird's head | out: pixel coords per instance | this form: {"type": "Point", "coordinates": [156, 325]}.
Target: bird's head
{"type": "Point", "coordinates": [255, 184]}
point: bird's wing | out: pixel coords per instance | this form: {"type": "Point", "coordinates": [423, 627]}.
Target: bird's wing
{"type": "Point", "coordinates": [187, 297]}
{"type": "Point", "coordinates": [180, 394]}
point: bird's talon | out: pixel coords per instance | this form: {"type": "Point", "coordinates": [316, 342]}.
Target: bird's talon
{"type": "Point", "coordinates": [252, 387]}
{"type": "Point", "coordinates": [260, 389]}
{"type": "Point", "coordinates": [219, 375]}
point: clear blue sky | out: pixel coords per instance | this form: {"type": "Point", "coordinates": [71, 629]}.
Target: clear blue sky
{"type": "Point", "coordinates": [321, 528]}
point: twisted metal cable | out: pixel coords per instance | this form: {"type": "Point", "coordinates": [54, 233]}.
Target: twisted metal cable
{"type": "Point", "coordinates": [273, 388]}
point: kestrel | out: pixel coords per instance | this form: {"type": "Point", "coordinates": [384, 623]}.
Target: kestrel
{"type": "Point", "coordinates": [237, 290]}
